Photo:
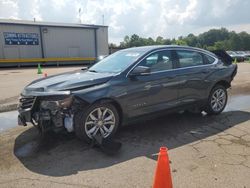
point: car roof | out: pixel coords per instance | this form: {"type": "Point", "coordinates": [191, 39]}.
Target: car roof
{"type": "Point", "coordinates": [158, 47]}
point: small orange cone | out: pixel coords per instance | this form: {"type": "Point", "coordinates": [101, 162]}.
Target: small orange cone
{"type": "Point", "coordinates": [45, 75]}
{"type": "Point", "coordinates": [162, 174]}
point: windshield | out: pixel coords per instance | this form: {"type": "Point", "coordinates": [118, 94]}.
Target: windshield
{"type": "Point", "coordinates": [116, 62]}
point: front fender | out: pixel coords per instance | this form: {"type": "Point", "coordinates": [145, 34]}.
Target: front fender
{"type": "Point", "coordinates": [92, 94]}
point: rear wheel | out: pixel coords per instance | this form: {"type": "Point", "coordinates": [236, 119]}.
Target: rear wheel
{"type": "Point", "coordinates": [217, 100]}
{"type": "Point", "coordinates": [100, 119]}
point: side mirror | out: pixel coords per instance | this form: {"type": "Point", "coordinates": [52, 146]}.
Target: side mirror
{"type": "Point", "coordinates": [140, 71]}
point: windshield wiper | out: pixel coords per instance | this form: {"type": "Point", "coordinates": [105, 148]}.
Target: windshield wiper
{"type": "Point", "coordinates": [92, 70]}
{"type": "Point", "coordinates": [84, 68]}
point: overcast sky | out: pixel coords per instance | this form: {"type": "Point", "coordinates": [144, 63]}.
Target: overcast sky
{"type": "Point", "coordinates": [147, 18]}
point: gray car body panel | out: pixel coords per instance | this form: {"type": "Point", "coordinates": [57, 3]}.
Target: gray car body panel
{"type": "Point", "coordinates": [141, 95]}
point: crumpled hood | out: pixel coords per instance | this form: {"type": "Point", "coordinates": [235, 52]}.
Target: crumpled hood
{"type": "Point", "coordinates": [68, 81]}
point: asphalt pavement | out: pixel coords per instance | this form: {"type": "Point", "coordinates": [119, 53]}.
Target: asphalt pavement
{"type": "Point", "coordinates": [205, 151]}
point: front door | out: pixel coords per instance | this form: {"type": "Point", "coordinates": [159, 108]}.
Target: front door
{"type": "Point", "coordinates": [155, 91]}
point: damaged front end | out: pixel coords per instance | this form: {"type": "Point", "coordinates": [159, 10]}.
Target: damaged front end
{"type": "Point", "coordinates": [48, 113]}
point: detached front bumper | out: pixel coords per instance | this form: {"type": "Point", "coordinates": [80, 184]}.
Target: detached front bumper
{"type": "Point", "coordinates": [21, 120]}
{"type": "Point", "coordinates": [24, 108]}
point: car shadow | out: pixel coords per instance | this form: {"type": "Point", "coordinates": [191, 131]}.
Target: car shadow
{"type": "Point", "coordinates": [63, 154]}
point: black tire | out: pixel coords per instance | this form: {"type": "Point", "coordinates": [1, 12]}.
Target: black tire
{"type": "Point", "coordinates": [209, 107]}
{"type": "Point", "coordinates": [81, 117]}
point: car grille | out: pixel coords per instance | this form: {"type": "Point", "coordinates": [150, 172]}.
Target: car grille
{"type": "Point", "coordinates": [26, 102]}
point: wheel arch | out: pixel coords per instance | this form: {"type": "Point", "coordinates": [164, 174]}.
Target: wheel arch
{"type": "Point", "coordinates": [224, 83]}
{"type": "Point", "coordinates": [79, 130]}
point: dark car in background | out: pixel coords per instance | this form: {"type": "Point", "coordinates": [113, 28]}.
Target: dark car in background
{"type": "Point", "coordinates": [127, 85]}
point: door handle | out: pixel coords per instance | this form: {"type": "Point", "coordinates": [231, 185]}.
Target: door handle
{"type": "Point", "coordinates": [171, 77]}
{"type": "Point", "coordinates": [205, 71]}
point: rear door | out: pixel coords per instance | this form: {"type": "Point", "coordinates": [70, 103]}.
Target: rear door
{"type": "Point", "coordinates": [193, 71]}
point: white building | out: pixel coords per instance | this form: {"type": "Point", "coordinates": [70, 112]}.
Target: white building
{"type": "Point", "coordinates": [26, 39]}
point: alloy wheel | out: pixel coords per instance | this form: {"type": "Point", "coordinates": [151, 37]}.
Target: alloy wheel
{"type": "Point", "coordinates": [100, 121]}
{"type": "Point", "coordinates": [218, 100]}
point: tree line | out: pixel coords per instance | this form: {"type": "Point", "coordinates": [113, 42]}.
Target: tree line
{"type": "Point", "coordinates": [211, 40]}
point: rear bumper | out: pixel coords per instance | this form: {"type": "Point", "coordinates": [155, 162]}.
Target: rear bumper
{"type": "Point", "coordinates": [235, 71]}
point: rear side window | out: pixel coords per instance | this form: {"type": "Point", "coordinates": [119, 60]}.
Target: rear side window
{"type": "Point", "coordinates": [208, 59]}
{"type": "Point", "coordinates": [189, 58]}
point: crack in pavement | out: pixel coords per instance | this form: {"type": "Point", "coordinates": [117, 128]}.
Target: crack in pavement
{"type": "Point", "coordinates": [50, 181]}
{"type": "Point", "coordinates": [235, 140]}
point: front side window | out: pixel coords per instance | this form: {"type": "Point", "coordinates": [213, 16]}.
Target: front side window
{"type": "Point", "coordinates": [158, 61]}
{"type": "Point", "coordinates": [189, 58]}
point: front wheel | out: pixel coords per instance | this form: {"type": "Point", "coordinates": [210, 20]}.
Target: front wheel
{"type": "Point", "coordinates": [217, 100]}
{"type": "Point", "coordinates": [102, 119]}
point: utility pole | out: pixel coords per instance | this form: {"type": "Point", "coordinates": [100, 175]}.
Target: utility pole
{"type": "Point", "coordinates": [103, 19]}
{"type": "Point", "coordinates": [80, 14]}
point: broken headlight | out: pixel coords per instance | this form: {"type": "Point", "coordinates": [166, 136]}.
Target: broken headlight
{"type": "Point", "coordinates": [52, 105]}
{"type": "Point", "coordinates": [65, 103]}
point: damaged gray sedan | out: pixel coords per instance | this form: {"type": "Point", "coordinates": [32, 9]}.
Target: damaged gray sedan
{"type": "Point", "coordinates": [126, 85]}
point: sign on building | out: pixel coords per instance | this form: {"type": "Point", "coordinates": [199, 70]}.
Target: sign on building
{"type": "Point", "coordinates": [12, 38]}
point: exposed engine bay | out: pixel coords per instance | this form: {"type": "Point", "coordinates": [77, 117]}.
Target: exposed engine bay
{"type": "Point", "coordinates": [48, 112]}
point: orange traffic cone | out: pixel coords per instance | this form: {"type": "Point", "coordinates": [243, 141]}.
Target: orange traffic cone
{"type": "Point", "coordinates": [162, 174]}
{"type": "Point", "coordinates": [45, 75]}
